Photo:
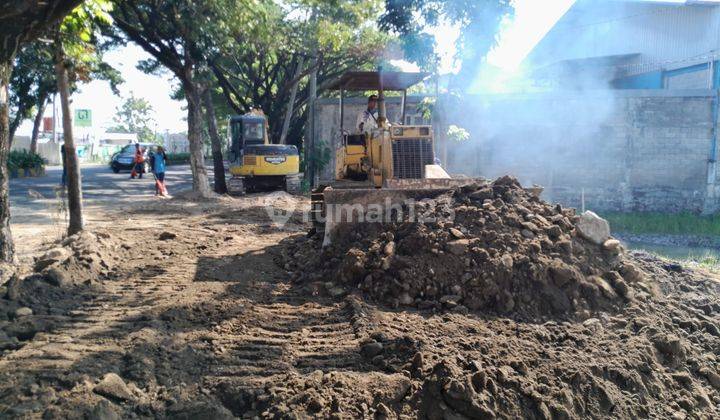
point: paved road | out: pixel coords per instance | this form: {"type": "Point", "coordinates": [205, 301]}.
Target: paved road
{"type": "Point", "coordinates": [99, 183]}
{"type": "Point", "coordinates": [34, 200]}
{"type": "Point", "coordinates": [37, 213]}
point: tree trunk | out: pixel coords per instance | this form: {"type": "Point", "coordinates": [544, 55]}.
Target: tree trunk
{"type": "Point", "coordinates": [36, 124]}
{"type": "Point", "coordinates": [218, 166]}
{"type": "Point", "coordinates": [74, 183]}
{"type": "Point", "coordinates": [291, 102]}
{"type": "Point", "coordinates": [197, 158]}
{"type": "Point", "coordinates": [14, 124]}
{"type": "Point", "coordinates": [7, 248]}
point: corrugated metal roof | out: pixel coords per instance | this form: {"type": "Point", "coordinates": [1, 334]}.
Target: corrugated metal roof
{"type": "Point", "coordinates": [660, 31]}
{"type": "Point", "coordinates": [372, 80]}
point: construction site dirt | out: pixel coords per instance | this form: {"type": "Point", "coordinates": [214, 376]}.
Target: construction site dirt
{"type": "Point", "coordinates": [515, 308]}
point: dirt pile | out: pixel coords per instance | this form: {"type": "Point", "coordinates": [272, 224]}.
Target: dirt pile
{"type": "Point", "coordinates": [79, 259]}
{"type": "Point", "coordinates": [60, 278]}
{"type": "Point", "coordinates": [487, 246]}
{"type": "Point", "coordinates": [655, 358]}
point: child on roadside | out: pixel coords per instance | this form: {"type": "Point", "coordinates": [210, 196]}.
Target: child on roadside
{"type": "Point", "coordinates": [157, 162]}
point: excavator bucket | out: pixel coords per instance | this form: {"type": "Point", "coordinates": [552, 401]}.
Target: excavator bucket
{"type": "Point", "coordinates": [339, 206]}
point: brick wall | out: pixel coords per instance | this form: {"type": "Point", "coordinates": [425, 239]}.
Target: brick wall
{"type": "Point", "coordinates": [622, 150]}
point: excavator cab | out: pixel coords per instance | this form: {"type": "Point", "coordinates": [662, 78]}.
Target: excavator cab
{"type": "Point", "coordinates": [255, 163]}
{"type": "Point", "coordinates": [245, 130]}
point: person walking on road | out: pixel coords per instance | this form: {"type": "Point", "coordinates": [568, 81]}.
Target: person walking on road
{"type": "Point", "coordinates": [157, 162]}
{"type": "Point", "coordinates": [139, 162]}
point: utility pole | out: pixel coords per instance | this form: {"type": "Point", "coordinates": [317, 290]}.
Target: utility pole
{"type": "Point", "coordinates": [310, 128]}
{"type": "Point", "coordinates": [309, 145]}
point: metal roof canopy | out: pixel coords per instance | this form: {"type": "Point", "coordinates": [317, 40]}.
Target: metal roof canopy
{"type": "Point", "coordinates": [373, 80]}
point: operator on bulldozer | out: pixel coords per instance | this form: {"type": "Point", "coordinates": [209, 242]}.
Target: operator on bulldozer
{"type": "Point", "coordinates": [367, 119]}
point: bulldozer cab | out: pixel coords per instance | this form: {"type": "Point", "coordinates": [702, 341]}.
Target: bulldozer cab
{"type": "Point", "coordinates": [246, 130]}
{"type": "Point", "coordinates": [380, 81]}
{"type": "Point", "coordinates": [386, 151]}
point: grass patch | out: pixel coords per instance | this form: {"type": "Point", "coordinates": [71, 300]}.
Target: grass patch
{"type": "Point", "coordinates": [670, 224]}
{"type": "Point", "coordinates": [710, 262]}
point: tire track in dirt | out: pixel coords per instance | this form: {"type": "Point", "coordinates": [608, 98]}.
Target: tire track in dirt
{"type": "Point", "coordinates": [287, 334]}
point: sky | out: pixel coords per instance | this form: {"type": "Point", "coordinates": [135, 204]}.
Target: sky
{"type": "Point", "coordinates": [517, 37]}
{"type": "Point", "coordinates": [97, 96]}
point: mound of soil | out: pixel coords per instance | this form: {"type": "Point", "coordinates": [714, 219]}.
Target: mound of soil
{"type": "Point", "coordinates": [61, 278]}
{"type": "Point", "coordinates": [502, 250]}
{"type": "Point", "coordinates": [655, 358]}
{"type": "Point", "coordinates": [80, 259]}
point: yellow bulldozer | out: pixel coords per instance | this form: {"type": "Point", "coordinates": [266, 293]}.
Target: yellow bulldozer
{"type": "Point", "coordinates": [255, 163]}
{"type": "Point", "coordinates": [381, 167]}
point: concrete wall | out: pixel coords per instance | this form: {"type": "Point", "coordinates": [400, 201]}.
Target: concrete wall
{"type": "Point", "coordinates": [619, 150]}
{"type": "Point", "coordinates": [49, 150]}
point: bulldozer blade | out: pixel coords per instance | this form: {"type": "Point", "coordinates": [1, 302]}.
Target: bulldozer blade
{"type": "Point", "coordinates": [369, 205]}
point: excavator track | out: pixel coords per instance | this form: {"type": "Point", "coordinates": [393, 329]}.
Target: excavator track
{"type": "Point", "coordinates": [236, 186]}
{"type": "Point", "coordinates": [293, 184]}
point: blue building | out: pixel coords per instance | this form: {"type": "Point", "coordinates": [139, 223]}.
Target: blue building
{"type": "Point", "coordinates": [631, 44]}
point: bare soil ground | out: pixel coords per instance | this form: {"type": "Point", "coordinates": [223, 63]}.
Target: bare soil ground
{"type": "Point", "coordinates": [181, 309]}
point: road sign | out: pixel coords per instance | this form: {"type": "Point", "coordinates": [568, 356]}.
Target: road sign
{"type": "Point", "coordinates": [83, 118]}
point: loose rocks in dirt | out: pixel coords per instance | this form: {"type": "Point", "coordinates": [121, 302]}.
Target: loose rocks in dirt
{"type": "Point", "coordinates": [484, 247]}
{"type": "Point", "coordinates": [82, 258]}
{"type": "Point", "coordinates": [62, 274]}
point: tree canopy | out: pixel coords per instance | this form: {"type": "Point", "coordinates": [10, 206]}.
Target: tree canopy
{"type": "Point", "coordinates": [479, 21]}
{"type": "Point", "coordinates": [259, 69]}
{"type": "Point", "coordinates": [33, 79]}
{"type": "Point", "coordinates": [24, 21]}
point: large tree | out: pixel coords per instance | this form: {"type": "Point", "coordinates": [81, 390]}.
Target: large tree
{"type": "Point", "coordinates": [76, 46]}
{"type": "Point", "coordinates": [20, 22]}
{"type": "Point", "coordinates": [269, 69]}
{"type": "Point", "coordinates": [215, 143]}
{"type": "Point", "coordinates": [180, 34]}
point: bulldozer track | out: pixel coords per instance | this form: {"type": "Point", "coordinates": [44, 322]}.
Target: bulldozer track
{"type": "Point", "coordinates": [287, 334]}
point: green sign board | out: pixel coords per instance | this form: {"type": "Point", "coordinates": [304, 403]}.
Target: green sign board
{"type": "Point", "coordinates": [83, 118]}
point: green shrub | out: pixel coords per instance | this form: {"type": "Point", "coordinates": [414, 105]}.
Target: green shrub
{"type": "Point", "coordinates": [23, 159]}
{"type": "Point", "coordinates": [178, 158]}
{"type": "Point", "coordinates": [660, 223]}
